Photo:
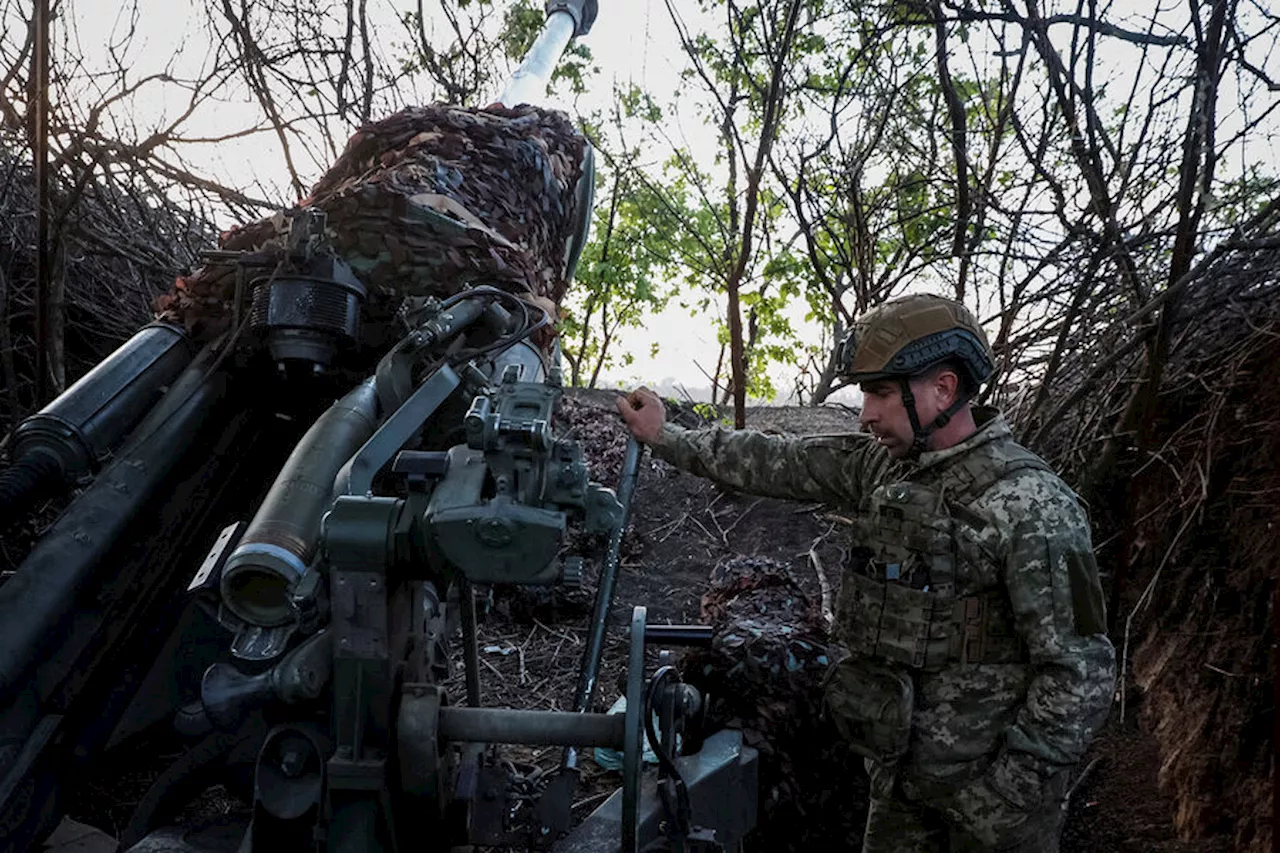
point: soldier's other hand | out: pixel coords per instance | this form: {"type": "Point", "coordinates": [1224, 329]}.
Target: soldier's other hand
{"type": "Point", "coordinates": [644, 413]}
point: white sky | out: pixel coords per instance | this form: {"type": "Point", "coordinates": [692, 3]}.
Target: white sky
{"type": "Point", "coordinates": [633, 41]}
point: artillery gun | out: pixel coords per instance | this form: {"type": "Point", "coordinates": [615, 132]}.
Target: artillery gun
{"type": "Point", "coordinates": [314, 638]}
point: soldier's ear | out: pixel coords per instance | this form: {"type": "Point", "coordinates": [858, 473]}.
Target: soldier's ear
{"type": "Point", "coordinates": [947, 384]}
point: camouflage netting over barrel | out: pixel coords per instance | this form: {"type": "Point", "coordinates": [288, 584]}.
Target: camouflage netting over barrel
{"type": "Point", "coordinates": [425, 202]}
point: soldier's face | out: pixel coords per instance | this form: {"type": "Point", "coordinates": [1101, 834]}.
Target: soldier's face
{"type": "Point", "coordinates": [885, 417]}
{"type": "Point", "coordinates": [884, 414]}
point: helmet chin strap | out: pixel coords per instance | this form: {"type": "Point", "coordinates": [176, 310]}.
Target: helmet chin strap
{"type": "Point", "coordinates": [920, 441]}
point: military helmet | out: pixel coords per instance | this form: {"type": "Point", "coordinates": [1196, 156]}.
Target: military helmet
{"type": "Point", "coordinates": [906, 336]}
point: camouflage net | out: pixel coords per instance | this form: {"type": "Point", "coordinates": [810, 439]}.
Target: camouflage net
{"type": "Point", "coordinates": [764, 672]}
{"type": "Point", "coordinates": [425, 202]}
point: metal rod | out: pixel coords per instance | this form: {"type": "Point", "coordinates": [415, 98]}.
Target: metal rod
{"type": "Point", "coordinates": [679, 635]}
{"type": "Point", "coordinates": [534, 728]}
{"type": "Point", "coordinates": [470, 654]}
{"type": "Point", "coordinates": [589, 674]}
{"type": "Point", "coordinates": [40, 140]}
{"type": "Point", "coordinates": [528, 84]}
{"type": "Point", "coordinates": [633, 735]}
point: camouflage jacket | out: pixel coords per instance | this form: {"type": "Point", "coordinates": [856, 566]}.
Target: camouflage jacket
{"type": "Point", "coordinates": [1021, 724]}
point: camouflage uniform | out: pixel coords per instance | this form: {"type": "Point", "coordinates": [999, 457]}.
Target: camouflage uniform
{"type": "Point", "coordinates": [1007, 684]}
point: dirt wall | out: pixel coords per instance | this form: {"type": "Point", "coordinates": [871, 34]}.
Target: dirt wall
{"type": "Point", "coordinates": [1203, 637]}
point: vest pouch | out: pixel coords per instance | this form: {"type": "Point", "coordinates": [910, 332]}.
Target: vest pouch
{"type": "Point", "coordinates": [896, 624]}
{"type": "Point", "coordinates": [870, 706]}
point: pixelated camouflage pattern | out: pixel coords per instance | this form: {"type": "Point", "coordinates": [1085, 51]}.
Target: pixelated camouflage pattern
{"type": "Point", "coordinates": [990, 743]}
{"type": "Point", "coordinates": [898, 825]}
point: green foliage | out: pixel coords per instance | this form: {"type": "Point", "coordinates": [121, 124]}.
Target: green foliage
{"type": "Point", "coordinates": [709, 412]}
{"type": "Point", "coordinates": [622, 276]}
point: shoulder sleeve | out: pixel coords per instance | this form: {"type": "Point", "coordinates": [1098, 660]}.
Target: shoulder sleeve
{"type": "Point", "coordinates": [818, 467]}
{"type": "Point", "coordinates": [1052, 580]}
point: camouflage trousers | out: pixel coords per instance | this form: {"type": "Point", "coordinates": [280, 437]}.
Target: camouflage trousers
{"type": "Point", "coordinates": [971, 821]}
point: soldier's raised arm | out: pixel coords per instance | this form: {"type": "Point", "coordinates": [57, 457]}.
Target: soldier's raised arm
{"type": "Point", "coordinates": [838, 468]}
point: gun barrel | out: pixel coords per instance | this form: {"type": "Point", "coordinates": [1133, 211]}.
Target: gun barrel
{"type": "Point", "coordinates": [44, 590]}
{"type": "Point", "coordinates": [528, 83]}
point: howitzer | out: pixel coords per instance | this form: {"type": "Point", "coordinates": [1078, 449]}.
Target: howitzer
{"type": "Point", "coordinates": [302, 658]}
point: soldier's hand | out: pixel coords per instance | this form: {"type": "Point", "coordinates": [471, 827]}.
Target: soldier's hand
{"type": "Point", "coordinates": [644, 413]}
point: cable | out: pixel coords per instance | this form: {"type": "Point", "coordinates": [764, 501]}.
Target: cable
{"type": "Point", "coordinates": [665, 762]}
{"type": "Point", "coordinates": [505, 342]}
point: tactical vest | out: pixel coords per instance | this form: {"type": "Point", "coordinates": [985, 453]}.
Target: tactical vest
{"type": "Point", "coordinates": [899, 602]}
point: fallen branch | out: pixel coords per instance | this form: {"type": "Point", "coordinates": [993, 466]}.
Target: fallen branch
{"type": "Point", "coordinates": [1066, 799]}
{"type": "Point", "coordinates": [729, 529]}
{"type": "Point", "coordinates": [1142, 603]}
{"type": "Point", "coordinates": [828, 612]}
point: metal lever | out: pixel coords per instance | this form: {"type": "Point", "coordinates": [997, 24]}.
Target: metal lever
{"type": "Point", "coordinates": [553, 810]}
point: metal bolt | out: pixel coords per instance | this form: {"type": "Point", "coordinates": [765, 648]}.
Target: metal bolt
{"type": "Point", "coordinates": [292, 763]}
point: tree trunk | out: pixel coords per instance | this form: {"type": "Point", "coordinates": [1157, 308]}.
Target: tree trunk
{"type": "Point", "coordinates": [768, 129]}
{"type": "Point", "coordinates": [57, 319]}
{"type": "Point", "coordinates": [737, 364]}
{"type": "Point", "coordinates": [8, 370]}
{"type": "Point", "coordinates": [827, 381]}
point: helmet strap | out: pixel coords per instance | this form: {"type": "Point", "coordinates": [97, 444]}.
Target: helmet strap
{"type": "Point", "coordinates": [920, 440]}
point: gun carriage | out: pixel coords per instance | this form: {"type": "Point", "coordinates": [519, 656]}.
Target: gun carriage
{"type": "Point", "coordinates": [315, 636]}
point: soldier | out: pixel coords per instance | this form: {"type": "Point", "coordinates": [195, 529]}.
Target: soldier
{"type": "Point", "coordinates": [976, 666]}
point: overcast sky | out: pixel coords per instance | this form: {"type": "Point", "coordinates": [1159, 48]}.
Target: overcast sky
{"type": "Point", "coordinates": [633, 41]}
